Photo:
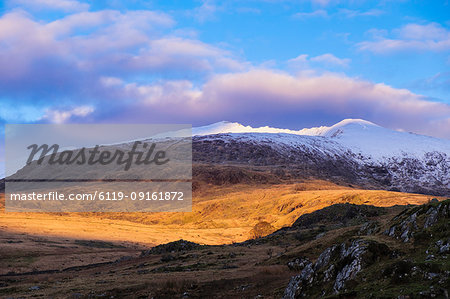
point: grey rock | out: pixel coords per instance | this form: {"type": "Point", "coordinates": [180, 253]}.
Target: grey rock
{"type": "Point", "coordinates": [307, 274]}
{"type": "Point", "coordinates": [325, 257]}
{"type": "Point", "coordinates": [293, 287]}
{"type": "Point", "coordinates": [348, 272]}
{"type": "Point", "coordinates": [443, 246]}
{"type": "Point", "coordinates": [405, 235]}
{"type": "Point", "coordinates": [355, 251]}
{"type": "Point", "coordinates": [350, 258]}
{"type": "Point", "coordinates": [298, 264]}
{"type": "Point", "coordinates": [369, 228]}
{"type": "Point", "coordinates": [295, 284]}
{"type": "Point", "coordinates": [391, 232]}
{"type": "Point", "coordinates": [329, 273]}
{"type": "Point", "coordinates": [432, 217]}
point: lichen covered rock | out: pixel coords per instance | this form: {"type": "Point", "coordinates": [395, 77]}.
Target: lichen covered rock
{"type": "Point", "coordinates": [335, 266]}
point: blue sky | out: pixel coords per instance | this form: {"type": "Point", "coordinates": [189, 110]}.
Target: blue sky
{"type": "Point", "coordinates": [292, 63]}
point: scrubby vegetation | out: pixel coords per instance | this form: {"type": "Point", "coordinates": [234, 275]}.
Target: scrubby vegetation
{"type": "Point", "coordinates": [409, 258]}
{"type": "Point", "coordinates": [342, 251]}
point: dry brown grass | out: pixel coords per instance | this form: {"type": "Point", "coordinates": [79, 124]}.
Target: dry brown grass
{"type": "Point", "coordinates": [220, 214]}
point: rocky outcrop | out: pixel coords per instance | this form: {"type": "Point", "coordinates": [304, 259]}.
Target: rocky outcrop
{"type": "Point", "coordinates": [369, 228]}
{"type": "Point", "coordinates": [299, 264]}
{"type": "Point", "coordinates": [172, 247]}
{"type": "Point", "coordinates": [334, 267]}
{"type": "Point", "coordinates": [418, 220]}
{"type": "Point", "coordinates": [419, 262]}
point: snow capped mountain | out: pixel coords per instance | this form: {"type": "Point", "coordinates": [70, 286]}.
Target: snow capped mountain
{"type": "Point", "coordinates": [353, 150]}
{"type": "Point", "coordinates": [370, 139]}
{"type": "Point", "coordinates": [360, 136]}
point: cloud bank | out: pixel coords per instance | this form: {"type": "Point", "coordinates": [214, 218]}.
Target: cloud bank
{"type": "Point", "coordinates": [138, 66]}
{"type": "Point", "coordinates": [288, 100]}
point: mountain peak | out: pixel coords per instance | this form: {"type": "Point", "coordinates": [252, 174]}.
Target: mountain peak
{"type": "Point", "coordinates": [358, 121]}
{"type": "Point", "coordinates": [348, 125]}
{"type": "Point", "coordinates": [220, 127]}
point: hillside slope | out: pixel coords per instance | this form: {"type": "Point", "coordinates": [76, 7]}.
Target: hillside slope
{"type": "Point", "coordinates": [221, 214]}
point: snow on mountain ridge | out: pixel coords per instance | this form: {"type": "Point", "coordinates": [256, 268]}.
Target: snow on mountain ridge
{"type": "Point", "coordinates": [378, 142]}
{"type": "Point", "coordinates": [234, 127]}
{"type": "Point", "coordinates": [360, 136]}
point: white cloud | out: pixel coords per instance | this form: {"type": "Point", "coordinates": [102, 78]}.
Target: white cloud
{"type": "Point", "coordinates": [330, 59]}
{"type": "Point", "coordinates": [431, 31]}
{"type": "Point", "coordinates": [347, 13]}
{"type": "Point", "coordinates": [326, 60]}
{"type": "Point", "coordinates": [316, 13]}
{"type": "Point", "coordinates": [299, 62]}
{"type": "Point", "coordinates": [206, 11]}
{"type": "Point", "coordinates": [430, 37]}
{"type": "Point", "coordinates": [350, 13]}
{"type": "Point", "coordinates": [61, 5]}
{"type": "Point", "coordinates": [61, 116]}
{"type": "Point", "coordinates": [132, 21]}
{"type": "Point", "coordinates": [110, 81]}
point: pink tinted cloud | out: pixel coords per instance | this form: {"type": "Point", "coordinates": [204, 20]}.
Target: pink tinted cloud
{"type": "Point", "coordinates": [260, 94]}
{"type": "Point", "coordinates": [103, 41]}
{"type": "Point", "coordinates": [62, 116]}
{"type": "Point", "coordinates": [90, 55]}
{"type": "Point", "coordinates": [138, 20]}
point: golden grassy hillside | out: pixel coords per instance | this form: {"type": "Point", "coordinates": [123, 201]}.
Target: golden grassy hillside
{"type": "Point", "coordinates": [220, 214]}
